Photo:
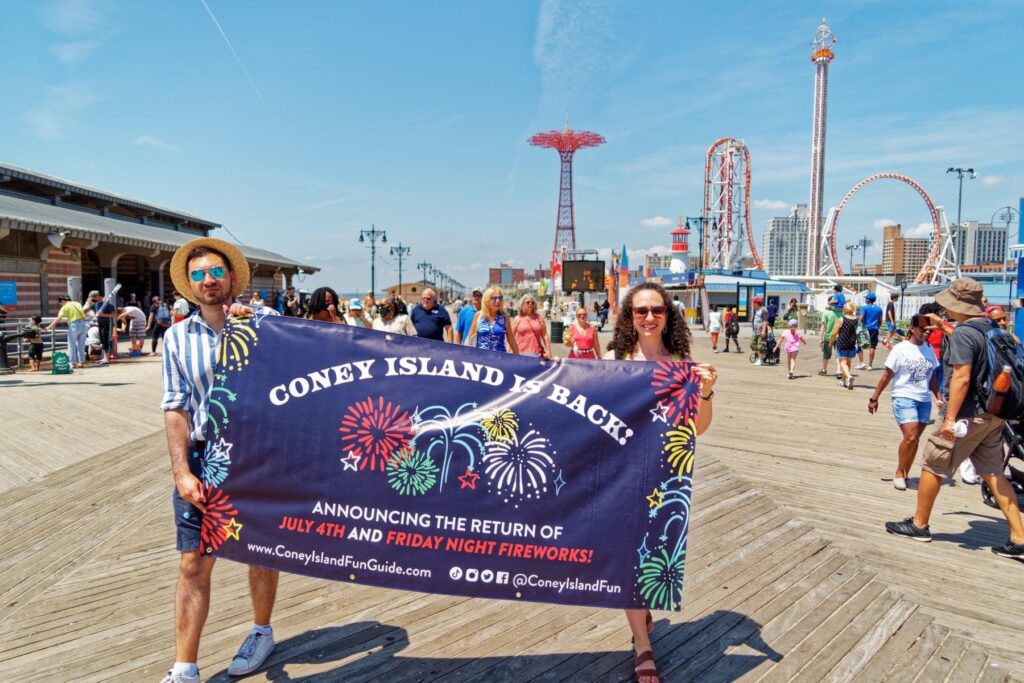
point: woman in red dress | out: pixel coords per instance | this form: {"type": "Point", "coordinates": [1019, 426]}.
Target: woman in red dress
{"type": "Point", "coordinates": [530, 330]}
{"type": "Point", "coordinates": [581, 337]}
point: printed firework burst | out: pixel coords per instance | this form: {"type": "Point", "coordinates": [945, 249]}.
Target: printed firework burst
{"type": "Point", "coordinates": [678, 385]}
{"type": "Point", "coordinates": [375, 432]}
{"type": "Point", "coordinates": [412, 473]}
{"type": "Point", "coordinates": [681, 445]}
{"type": "Point", "coordinates": [217, 462]}
{"type": "Point", "coordinates": [501, 425]}
{"type": "Point", "coordinates": [237, 343]}
{"type": "Point", "coordinates": [519, 468]}
{"type": "Point", "coordinates": [219, 510]}
{"type": "Point", "coordinates": [661, 580]}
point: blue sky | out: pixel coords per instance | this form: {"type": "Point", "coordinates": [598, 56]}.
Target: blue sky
{"type": "Point", "coordinates": [305, 122]}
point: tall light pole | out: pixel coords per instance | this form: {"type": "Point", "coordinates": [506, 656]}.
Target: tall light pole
{"type": "Point", "coordinates": [400, 252]}
{"type": "Point", "coordinates": [700, 222]}
{"type": "Point", "coordinates": [424, 266]}
{"type": "Point", "coordinates": [960, 174]}
{"type": "Point", "coordinates": [852, 248]}
{"type": "Point", "coordinates": [863, 243]}
{"type": "Point", "coordinates": [373, 234]}
{"type": "Point", "coordinates": [1007, 216]}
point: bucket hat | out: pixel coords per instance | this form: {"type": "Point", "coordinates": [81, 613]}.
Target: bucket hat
{"type": "Point", "coordinates": [963, 296]}
{"type": "Point", "coordinates": [179, 266]}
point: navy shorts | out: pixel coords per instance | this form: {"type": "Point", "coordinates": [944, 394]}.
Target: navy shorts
{"type": "Point", "coordinates": [873, 338]}
{"type": "Point", "coordinates": [188, 519]}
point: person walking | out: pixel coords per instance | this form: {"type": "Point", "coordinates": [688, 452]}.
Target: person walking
{"type": "Point", "coordinates": [791, 341]}
{"type": "Point", "coordinates": [159, 320]}
{"type": "Point", "coordinates": [582, 338]}
{"type": "Point", "coordinates": [430, 318]}
{"type": "Point", "coordinates": [871, 319]}
{"type": "Point", "coordinates": [911, 368]}
{"type": "Point", "coordinates": [967, 429]}
{"type": "Point", "coordinates": [829, 318]}
{"type": "Point", "coordinates": [714, 326]}
{"type": "Point", "coordinates": [391, 318]}
{"type": "Point", "coordinates": [792, 310]}
{"type": "Point", "coordinates": [464, 321]}
{"type": "Point", "coordinates": [732, 328]}
{"type": "Point", "coordinates": [213, 273]}
{"type": "Point", "coordinates": [759, 323]}
{"type": "Point", "coordinates": [890, 321]}
{"type": "Point", "coordinates": [530, 330]}
{"type": "Point", "coordinates": [844, 340]}
{"type": "Point", "coordinates": [490, 326]}
{"type": "Point", "coordinates": [74, 314]}
{"type": "Point", "coordinates": [650, 328]}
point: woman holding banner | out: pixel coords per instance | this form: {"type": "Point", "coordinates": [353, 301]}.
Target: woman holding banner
{"type": "Point", "coordinates": [530, 330]}
{"type": "Point", "coordinates": [491, 325]}
{"type": "Point", "coordinates": [649, 328]}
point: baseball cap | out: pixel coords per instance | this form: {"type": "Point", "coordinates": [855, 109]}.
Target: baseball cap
{"type": "Point", "coordinates": [758, 300]}
{"type": "Point", "coordinates": [871, 296]}
{"type": "Point", "coordinates": [793, 322]}
{"type": "Point", "coordinates": [93, 293]}
{"type": "Point", "coordinates": [355, 305]}
{"type": "Point", "coordinates": [477, 292]}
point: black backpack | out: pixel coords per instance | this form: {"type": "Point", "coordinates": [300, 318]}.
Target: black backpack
{"type": "Point", "coordinates": [1003, 350]}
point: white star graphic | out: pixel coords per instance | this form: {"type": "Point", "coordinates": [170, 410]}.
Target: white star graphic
{"type": "Point", "coordinates": [222, 448]}
{"type": "Point", "coordinates": [351, 461]}
{"type": "Point", "coordinates": [659, 413]}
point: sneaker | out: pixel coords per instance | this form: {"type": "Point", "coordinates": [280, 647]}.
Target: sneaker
{"type": "Point", "coordinates": [861, 366]}
{"type": "Point", "coordinates": [887, 345]}
{"type": "Point", "coordinates": [791, 375]}
{"type": "Point", "coordinates": [758, 362]}
{"type": "Point", "coordinates": [101, 361]}
{"type": "Point", "coordinates": [849, 384]}
{"type": "Point", "coordinates": [823, 373]}
{"type": "Point", "coordinates": [172, 677]}
{"type": "Point", "coordinates": [714, 350]}
{"type": "Point", "coordinates": [250, 657]}
{"type": "Point", "coordinates": [739, 350]}
{"type": "Point", "coordinates": [870, 368]}
{"type": "Point", "coordinates": [968, 474]}
{"type": "Point", "coordinates": [1014, 551]}
{"type": "Point", "coordinates": [899, 483]}
{"type": "Point", "coordinates": [907, 528]}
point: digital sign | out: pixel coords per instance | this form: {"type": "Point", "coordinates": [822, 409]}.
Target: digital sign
{"type": "Point", "coordinates": [582, 276]}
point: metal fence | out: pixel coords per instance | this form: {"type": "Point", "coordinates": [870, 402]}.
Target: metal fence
{"type": "Point", "coordinates": [17, 349]}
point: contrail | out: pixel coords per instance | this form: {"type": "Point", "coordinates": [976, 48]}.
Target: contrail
{"type": "Point", "coordinates": [232, 48]}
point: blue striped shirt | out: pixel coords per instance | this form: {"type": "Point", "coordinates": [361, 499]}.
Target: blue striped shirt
{"type": "Point", "coordinates": [190, 356]}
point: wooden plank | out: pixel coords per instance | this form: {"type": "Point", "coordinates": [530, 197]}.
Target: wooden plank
{"type": "Point", "coordinates": [895, 648]}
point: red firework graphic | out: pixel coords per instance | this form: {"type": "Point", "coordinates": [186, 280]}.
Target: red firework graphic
{"type": "Point", "coordinates": [679, 387]}
{"type": "Point", "coordinates": [375, 432]}
{"type": "Point", "coordinates": [219, 511]}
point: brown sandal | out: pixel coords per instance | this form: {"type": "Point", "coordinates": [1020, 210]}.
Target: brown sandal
{"type": "Point", "coordinates": [641, 659]}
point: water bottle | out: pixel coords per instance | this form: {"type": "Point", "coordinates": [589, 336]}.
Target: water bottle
{"type": "Point", "coordinates": [1000, 388]}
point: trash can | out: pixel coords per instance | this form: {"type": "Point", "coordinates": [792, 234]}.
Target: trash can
{"type": "Point", "coordinates": [557, 331]}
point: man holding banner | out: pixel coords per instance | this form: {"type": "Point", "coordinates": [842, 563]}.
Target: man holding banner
{"type": "Point", "coordinates": [210, 273]}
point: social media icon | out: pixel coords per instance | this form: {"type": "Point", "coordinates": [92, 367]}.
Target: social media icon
{"type": "Point", "coordinates": [502, 577]}
{"type": "Point", "coordinates": [487, 576]}
{"type": "Point", "coordinates": [472, 575]}
{"type": "Point", "coordinates": [455, 573]}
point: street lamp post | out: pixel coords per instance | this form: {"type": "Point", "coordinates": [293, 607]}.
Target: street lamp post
{"type": "Point", "coordinates": [373, 234]}
{"type": "Point", "coordinates": [1007, 216]}
{"type": "Point", "coordinates": [864, 243]}
{"type": "Point", "coordinates": [960, 174]}
{"type": "Point", "coordinates": [852, 248]}
{"type": "Point", "coordinates": [400, 252]}
{"type": "Point", "coordinates": [424, 266]}
{"type": "Point", "coordinates": [700, 222]}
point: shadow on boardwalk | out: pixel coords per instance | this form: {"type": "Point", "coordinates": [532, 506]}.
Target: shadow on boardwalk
{"type": "Point", "coordinates": [370, 650]}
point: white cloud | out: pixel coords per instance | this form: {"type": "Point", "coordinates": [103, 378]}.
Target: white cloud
{"type": "Point", "coordinates": [74, 51]}
{"type": "Point", "coordinates": [323, 204]}
{"type": "Point", "coordinates": [52, 119]}
{"type": "Point", "coordinates": [151, 141]}
{"type": "Point", "coordinates": [773, 204]}
{"type": "Point", "coordinates": [921, 230]}
{"type": "Point", "coordinates": [993, 180]}
{"type": "Point", "coordinates": [656, 222]}
{"type": "Point", "coordinates": [73, 17]}
{"type": "Point", "coordinates": [883, 223]}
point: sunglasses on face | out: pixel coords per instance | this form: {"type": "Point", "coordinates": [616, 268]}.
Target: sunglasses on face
{"type": "Point", "coordinates": [497, 298]}
{"type": "Point", "coordinates": [656, 311]}
{"type": "Point", "coordinates": [217, 273]}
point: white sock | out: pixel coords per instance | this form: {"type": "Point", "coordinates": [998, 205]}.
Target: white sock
{"type": "Point", "coordinates": [264, 629]}
{"type": "Point", "coordinates": [185, 668]}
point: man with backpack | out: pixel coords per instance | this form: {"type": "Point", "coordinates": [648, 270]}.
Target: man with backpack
{"type": "Point", "coordinates": [967, 429]}
{"type": "Point", "coordinates": [732, 328]}
{"type": "Point", "coordinates": [159, 321]}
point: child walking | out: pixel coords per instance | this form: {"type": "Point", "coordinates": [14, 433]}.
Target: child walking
{"type": "Point", "coordinates": [791, 341]}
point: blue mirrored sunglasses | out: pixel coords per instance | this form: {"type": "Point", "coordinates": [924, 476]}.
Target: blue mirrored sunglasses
{"type": "Point", "coordinates": [217, 273]}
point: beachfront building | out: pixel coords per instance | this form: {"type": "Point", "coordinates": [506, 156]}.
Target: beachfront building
{"type": "Point", "coordinates": [903, 254]}
{"type": "Point", "coordinates": [57, 237]}
{"type": "Point", "coordinates": [979, 243]}
{"type": "Point", "coordinates": [784, 243]}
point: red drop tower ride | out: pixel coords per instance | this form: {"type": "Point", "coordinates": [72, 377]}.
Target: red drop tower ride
{"type": "Point", "coordinates": [565, 142]}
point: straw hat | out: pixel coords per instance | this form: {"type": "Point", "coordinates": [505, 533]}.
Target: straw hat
{"type": "Point", "coordinates": [963, 296]}
{"type": "Point", "coordinates": [179, 267]}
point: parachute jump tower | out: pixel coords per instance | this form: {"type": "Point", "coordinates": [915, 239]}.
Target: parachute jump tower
{"type": "Point", "coordinates": [565, 142]}
{"type": "Point", "coordinates": [822, 56]}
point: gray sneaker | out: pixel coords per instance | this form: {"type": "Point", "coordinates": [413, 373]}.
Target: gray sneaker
{"type": "Point", "coordinates": [906, 527]}
{"type": "Point", "coordinates": [250, 657]}
{"type": "Point", "coordinates": [179, 678]}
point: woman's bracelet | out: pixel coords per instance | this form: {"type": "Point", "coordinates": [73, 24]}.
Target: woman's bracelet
{"type": "Point", "coordinates": [708, 397]}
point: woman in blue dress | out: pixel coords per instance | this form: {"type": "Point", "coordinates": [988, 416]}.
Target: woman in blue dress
{"type": "Point", "coordinates": [491, 324]}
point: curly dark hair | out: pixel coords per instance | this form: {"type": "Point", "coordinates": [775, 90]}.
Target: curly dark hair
{"type": "Point", "coordinates": [676, 336]}
{"type": "Point", "coordinates": [318, 300]}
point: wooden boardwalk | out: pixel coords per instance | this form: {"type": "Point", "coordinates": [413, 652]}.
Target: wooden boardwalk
{"type": "Point", "coordinates": [790, 576]}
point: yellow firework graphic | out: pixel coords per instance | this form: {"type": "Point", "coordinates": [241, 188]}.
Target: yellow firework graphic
{"type": "Point", "coordinates": [681, 447]}
{"type": "Point", "coordinates": [501, 425]}
{"type": "Point", "coordinates": [236, 345]}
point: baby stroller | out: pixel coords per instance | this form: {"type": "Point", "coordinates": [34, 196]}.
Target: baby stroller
{"type": "Point", "coordinates": [771, 350]}
{"type": "Point", "coordinates": [1013, 449]}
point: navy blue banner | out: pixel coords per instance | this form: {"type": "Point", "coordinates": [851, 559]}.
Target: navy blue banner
{"type": "Point", "coordinates": [386, 460]}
